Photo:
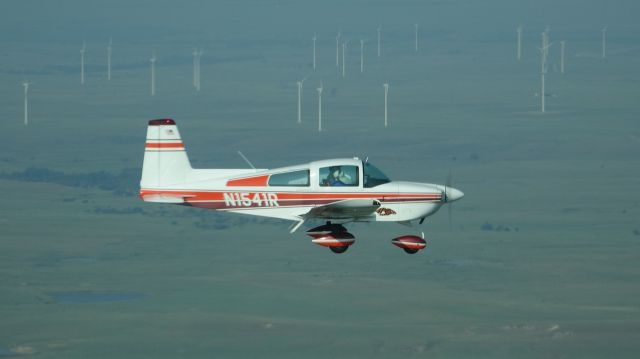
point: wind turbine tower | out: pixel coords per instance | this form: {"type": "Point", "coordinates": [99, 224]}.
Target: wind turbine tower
{"type": "Point", "coordinates": [199, 56]}
{"type": "Point", "coordinates": [195, 68]}
{"type": "Point", "coordinates": [416, 47]}
{"type": "Point", "coordinates": [361, 56]}
{"type": "Point", "coordinates": [604, 42]}
{"type": "Point", "coordinates": [82, 50]}
{"type": "Point", "coordinates": [386, 92]}
{"type": "Point", "coordinates": [344, 50]}
{"type": "Point", "coordinates": [542, 91]}
{"type": "Point", "coordinates": [314, 51]}
{"type": "Point", "coordinates": [562, 44]}
{"type": "Point", "coordinates": [300, 83]}
{"type": "Point", "coordinates": [519, 48]}
{"type": "Point", "coordinates": [26, 103]}
{"type": "Point", "coordinates": [153, 74]}
{"type": "Point", "coordinates": [109, 60]}
{"type": "Point", "coordinates": [338, 49]}
{"type": "Point", "coordinates": [319, 89]}
{"type": "Point", "coordinates": [379, 29]}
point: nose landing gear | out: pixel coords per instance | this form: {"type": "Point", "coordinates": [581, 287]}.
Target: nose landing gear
{"type": "Point", "coordinates": [410, 244]}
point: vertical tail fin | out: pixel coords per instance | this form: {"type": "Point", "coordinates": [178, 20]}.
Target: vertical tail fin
{"type": "Point", "coordinates": [165, 159]}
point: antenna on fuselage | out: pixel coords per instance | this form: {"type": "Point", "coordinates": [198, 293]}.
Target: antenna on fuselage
{"type": "Point", "coordinates": [246, 159]}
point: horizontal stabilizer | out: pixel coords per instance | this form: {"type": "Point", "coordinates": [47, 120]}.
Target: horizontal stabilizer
{"type": "Point", "coordinates": [163, 198]}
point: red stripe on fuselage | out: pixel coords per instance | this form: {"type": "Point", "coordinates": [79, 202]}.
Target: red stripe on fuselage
{"type": "Point", "coordinates": [216, 199]}
{"type": "Point", "coordinates": [257, 181]}
{"type": "Point", "coordinates": [164, 145]}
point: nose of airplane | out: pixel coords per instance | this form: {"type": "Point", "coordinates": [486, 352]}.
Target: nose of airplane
{"type": "Point", "coordinates": [454, 194]}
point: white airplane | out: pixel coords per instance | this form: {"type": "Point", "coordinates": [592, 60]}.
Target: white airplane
{"type": "Point", "coordinates": [337, 191]}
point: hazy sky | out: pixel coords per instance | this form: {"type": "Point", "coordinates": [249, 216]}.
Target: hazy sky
{"type": "Point", "coordinates": [130, 21]}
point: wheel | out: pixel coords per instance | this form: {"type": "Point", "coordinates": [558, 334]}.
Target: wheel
{"type": "Point", "coordinates": [339, 249]}
{"type": "Point", "coordinates": [411, 250]}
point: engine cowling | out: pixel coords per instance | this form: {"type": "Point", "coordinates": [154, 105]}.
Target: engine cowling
{"type": "Point", "coordinates": [410, 244]}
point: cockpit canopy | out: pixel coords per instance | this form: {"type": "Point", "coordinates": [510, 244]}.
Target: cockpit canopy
{"type": "Point", "coordinates": [326, 173]}
{"type": "Point", "coordinates": [339, 175]}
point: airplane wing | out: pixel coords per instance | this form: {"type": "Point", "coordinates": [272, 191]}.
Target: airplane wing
{"type": "Point", "coordinates": [346, 209]}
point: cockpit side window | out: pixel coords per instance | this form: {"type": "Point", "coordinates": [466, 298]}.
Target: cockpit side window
{"type": "Point", "coordinates": [292, 179]}
{"type": "Point", "coordinates": [339, 176]}
{"type": "Point", "coordinates": [373, 176]}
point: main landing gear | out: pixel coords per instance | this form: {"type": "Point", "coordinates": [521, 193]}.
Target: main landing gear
{"type": "Point", "coordinates": [336, 237]}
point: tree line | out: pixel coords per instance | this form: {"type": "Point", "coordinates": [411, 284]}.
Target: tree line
{"type": "Point", "coordinates": [125, 183]}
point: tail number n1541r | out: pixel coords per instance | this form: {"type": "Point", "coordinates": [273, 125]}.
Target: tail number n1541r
{"type": "Point", "coordinates": [258, 199]}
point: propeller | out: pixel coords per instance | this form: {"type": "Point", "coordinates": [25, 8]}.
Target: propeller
{"type": "Point", "coordinates": [448, 184]}
{"type": "Point", "coordinates": [448, 195]}
{"type": "Point", "coordinates": [445, 197]}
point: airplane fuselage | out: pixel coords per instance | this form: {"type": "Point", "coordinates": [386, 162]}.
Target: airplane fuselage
{"type": "Point", "coordinates": [251, 193]}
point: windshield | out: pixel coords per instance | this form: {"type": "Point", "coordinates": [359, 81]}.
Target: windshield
{"type": "Point", "coordinates": [373, 176]}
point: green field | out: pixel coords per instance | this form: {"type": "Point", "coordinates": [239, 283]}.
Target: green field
{"type": "Point", "coordinates": [541, 259]}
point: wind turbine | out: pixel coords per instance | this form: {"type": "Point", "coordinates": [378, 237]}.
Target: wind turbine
{"type": "Point", "coordinates": [26, 103]}
{"type": "Point", "coordinates": [344, 50]}
{"type": "Point", "coordinates": [604, 42]}
{"type": "Point", "coordinates": [386, 92]}
{"type": "Point", "coordinates": [361, 56]}
{"type": "Point", "coordinates": [338, 49]}
{"type": "Point", "coordinates": [562, 44]}
{"type": "Point", "coordinates": [82, 50]}
{"type": "Point", "coordinates": [519, 49]}
{"type": "Point", "coordinates": [153, 74]}
{"type": "Point", "coordinates": [543, 61]}
{"type": "Point", "coordinates": [314, 51]}
{"type": "Point", "coordinates": [300, 83]}
{"type": "Point", "coordinates": [379, 29]}
{"type": "Point", "coordinates": [416, 47]}
{"type": "Point", "coordinates": [319, 89]}
{"type": "Point", "coordinates": [109, 60]}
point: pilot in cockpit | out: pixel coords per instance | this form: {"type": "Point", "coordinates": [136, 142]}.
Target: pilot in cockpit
{"type": "Point", "coordinates": [337, 177]}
